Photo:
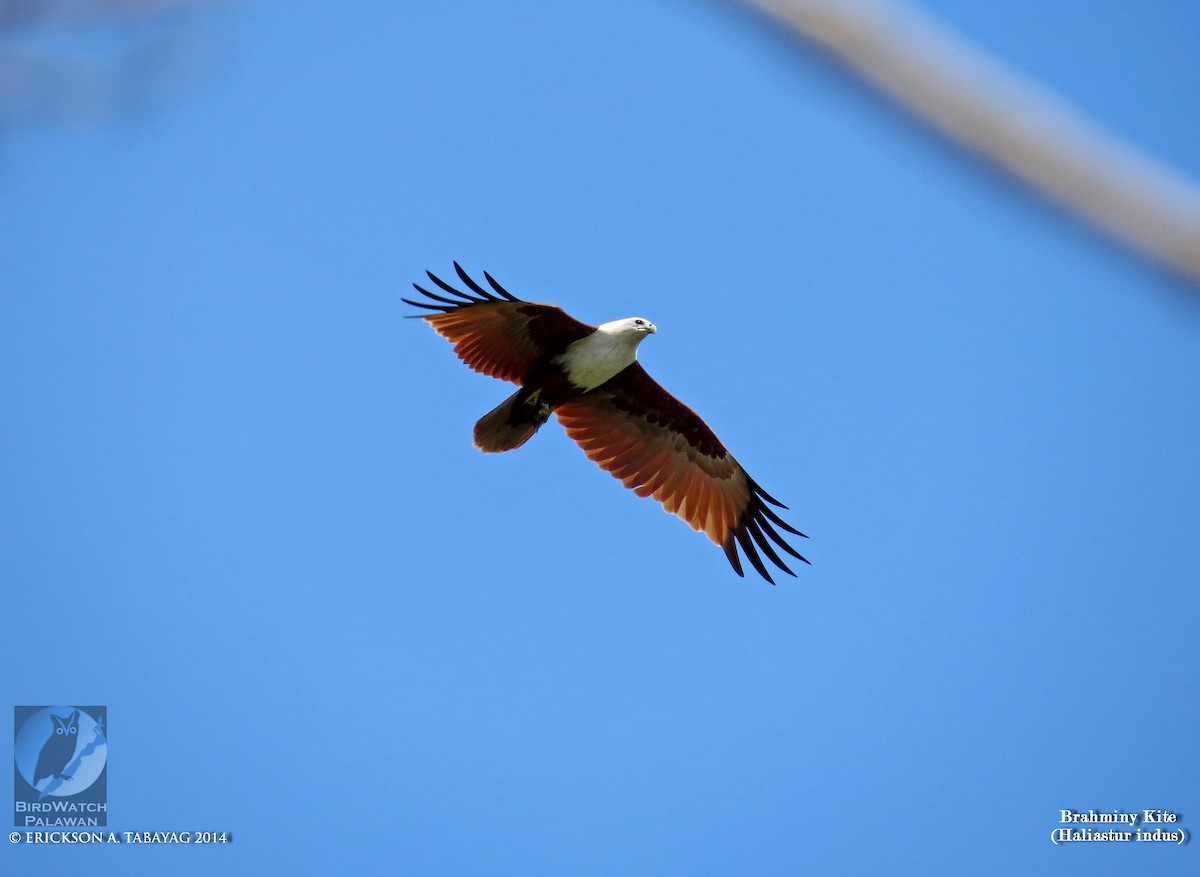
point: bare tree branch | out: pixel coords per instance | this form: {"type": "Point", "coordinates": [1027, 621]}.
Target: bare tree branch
{"type": "Point", "coordinates": [1017, 124]}
{"type": "Point", "coordinates": [97, 60]}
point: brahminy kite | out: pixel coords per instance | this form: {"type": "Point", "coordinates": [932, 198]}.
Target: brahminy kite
{"type": "Point", "coordinates": [625, 422]}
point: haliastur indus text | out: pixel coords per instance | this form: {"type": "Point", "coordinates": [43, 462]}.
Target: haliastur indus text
{"type": "Point", "coordinates": [589, 377]}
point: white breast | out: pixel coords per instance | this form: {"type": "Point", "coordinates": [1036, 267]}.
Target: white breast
{"type": "Point", "coordinates": [591, 361]}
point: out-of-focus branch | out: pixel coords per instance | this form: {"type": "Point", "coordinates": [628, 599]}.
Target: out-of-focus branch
{"type": "Point", "coordinates": [98, 60]}
{"type": "Point", "coordinates": [1011, 120]}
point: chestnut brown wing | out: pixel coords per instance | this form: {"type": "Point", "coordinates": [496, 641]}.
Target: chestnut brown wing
{"type": "Point", "coordinates": [493, 331]}
{"type": "Point", "coordinates": [657, 446]}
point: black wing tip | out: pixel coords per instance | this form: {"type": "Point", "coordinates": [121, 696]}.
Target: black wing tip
{"type": "Point", "coordinates": [478, 295]}
{"type": "Point", "coordinates": [500, 289]}
{"type": "Point", "coordinates": [754, 532]}
{"type": "Point", "coordinates": [740, 537]}
{"type": "Point", "coordinates": [764, 545]}
{"type": "Point", "coordinates": [731, 553]}
{"type": "Point", "coordinates": [756, 489]}
{"type": "Point", "coordinates": [426, 305]}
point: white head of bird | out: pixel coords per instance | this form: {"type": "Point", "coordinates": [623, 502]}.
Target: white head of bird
{"type": "Point", "coordinates": [591, 361]}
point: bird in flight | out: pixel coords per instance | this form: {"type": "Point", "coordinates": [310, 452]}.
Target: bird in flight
{"type": "Point", "coordinates": [590, 379]}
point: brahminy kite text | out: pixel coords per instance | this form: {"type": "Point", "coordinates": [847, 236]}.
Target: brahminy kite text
{"type": "Point", "coordinates": [589, 377]}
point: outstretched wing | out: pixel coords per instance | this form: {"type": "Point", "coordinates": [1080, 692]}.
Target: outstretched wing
{"type": "Point", "coordinates": [657, 446]}
{"type": "Point", "coordinates": [494, 332]}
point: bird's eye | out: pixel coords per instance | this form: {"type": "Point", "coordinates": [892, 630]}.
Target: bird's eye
{"type": "Point", "coordinates": [639, 322]}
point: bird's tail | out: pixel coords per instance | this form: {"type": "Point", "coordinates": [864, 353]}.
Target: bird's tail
{"type": "Point", "coordinates": [512, 423]}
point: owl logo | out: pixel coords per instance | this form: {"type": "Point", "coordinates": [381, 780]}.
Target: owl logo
{"type": "Point", "coordinates": [58, 751]}
{"type": "Point", "coordinates": [61, 752]}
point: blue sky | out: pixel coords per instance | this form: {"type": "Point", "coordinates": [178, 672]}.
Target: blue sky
{"type": "Point", "coordinates": [242, 509]}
